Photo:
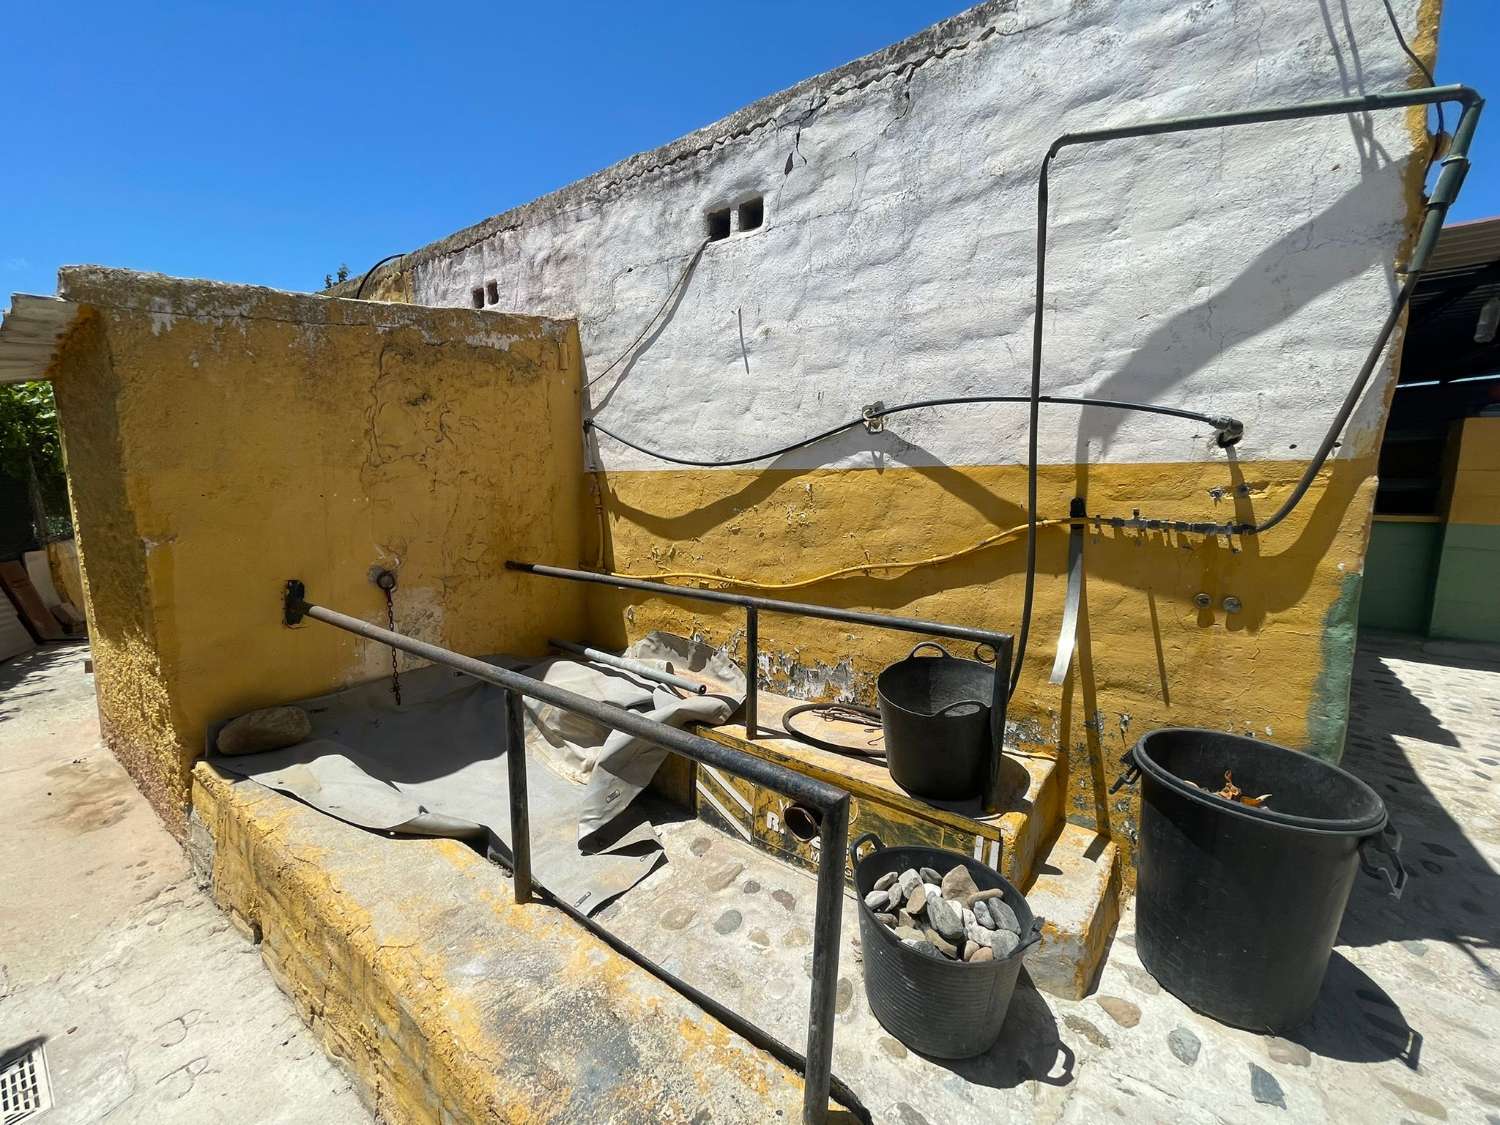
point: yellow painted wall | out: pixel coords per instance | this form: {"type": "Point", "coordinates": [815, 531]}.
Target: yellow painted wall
{"type": "Point", "coordinates": [1147, 655]}
{"type": "Point", "coordinates": [1475, 486]}
{"type": "Point", "coordinates": [221, 439]}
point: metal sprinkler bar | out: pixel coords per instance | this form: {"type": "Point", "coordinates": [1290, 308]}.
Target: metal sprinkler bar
{"type": "Point", "coordinates": [999, 643]}
{"type": "Point", "coordinates": [829, 803]}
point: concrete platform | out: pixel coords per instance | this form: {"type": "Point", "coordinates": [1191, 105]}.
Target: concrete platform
{"type": "Point", "coordinates": [448, 1003]}
{"type": "Point", "coordinates": [1077, 893]}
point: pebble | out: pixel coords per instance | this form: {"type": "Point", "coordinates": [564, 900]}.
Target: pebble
{"type": "Point", "coordinates": [700, 846]}
{"type": "Point", "coordinates": [917, 900]}
{"type": "Point", "coordinates": [785, 899]}
{"type": "Point", "coordinates": [982, 953]}
{"type": "Point", "coordinates": [904, 918]}
{"type": "Point", "coordinates": [1428, 1107]}
{"type": "Point", "coordinates": [878, 901]}
{"type": "Point", "coordinates": [760, 938]}
{"type": "Point", "coordinates": [1088, 1030]}
{"type": "Point", "coordinates": [1003, 916]}
{"type": "Point", "coordinates": [270, 729]}
{"type": "Point", "coordinates": [891, 1047]}
{"type": "Point", "coordinates": [1185, 1045]}
{"type": "Point", "coordinates": [750, 887]}
{"type": "Point", "coordinates": [1285, 1051]}
{"type": "Point", "coordinates": [923, 946]}
{"type": "Point", "coordinates": [909, 934]}
{"type": "Point", "coordinates": [886, 919]}
{"type": "Point", "coordinates": [929, 875]}
{"type": "Point", "coordinates": [945, 918]}
{"type": "Point", "coordinates": [724, 876]}
{"type": "Point", "coordinates": [1265, 1089]}
{"type": "Point", "coordinates": [959, 884]}
{"type": "Point", "coordinates": [1123, 1012]}
{"type": "Point", "coordinates": [909, 882]}
{"type": "Point", "coordinates": [796, 937]}
{"type": "Point", "coordinates": [677, 918]}
{"type": "Point", "coordinates": [984, 896]}
{"type": "Point", "coordinates": [729, 921]}
{"type": "Point", "coordinates": [982, 915]}
{"type": "Point", "coordinates": [886, 881]}
{"type": "Point", "coordinates": [843, 995]}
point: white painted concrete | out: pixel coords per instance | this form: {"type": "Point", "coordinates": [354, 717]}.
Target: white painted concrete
{"type": "Point", "coordinates": [1241, 271]}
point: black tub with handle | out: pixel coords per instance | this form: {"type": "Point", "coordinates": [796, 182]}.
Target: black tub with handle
{"type": "Point", "coordinates": [1237, 907]}
{"type": "Point", "coordinates": [937, 1007]}
{"type": "Point", "coordinates": [936, 711]}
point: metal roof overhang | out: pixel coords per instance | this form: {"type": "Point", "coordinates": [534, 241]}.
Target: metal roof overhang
{"type": "Point", "coordinates": [30, 335]}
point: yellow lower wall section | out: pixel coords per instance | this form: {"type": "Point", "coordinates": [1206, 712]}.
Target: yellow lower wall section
{"type": "Point", "coordinates": [222, 439]}
{"type": "Point", "coordinates": [1147, 655]}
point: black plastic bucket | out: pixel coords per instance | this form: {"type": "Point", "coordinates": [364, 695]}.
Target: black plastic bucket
{"type": "Point", "coordinates": [945, 1009]}
{"type": "Point", "coordinates": [936, 714]}
{"type": "Point", "coordinates": [1237, 908]}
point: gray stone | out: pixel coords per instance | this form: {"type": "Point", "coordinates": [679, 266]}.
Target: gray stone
{"type": "Point", "coordinates": [924, 947]}
{"type": "Point", "coordinates": [945, 918]}
{"type": "Point", "coordinates": [943, 947]}
{"type": "Point", "coordinates": [273, 728]}
{"type": "Point", "coordinates": [909, 934]}
{"type": "Point", "coordinates": [982, 915]}
{"type": "Point", "coordinates": [909, 882]}
{"type": "Point", "coordinates": [843, 995]}
{"type": "Point", "coordinates": [959, 884]}
{"type": "Point", "coordinates": [905, 918]}
{"type": "Point", "coordinates": [929, 875]}
{"type": "Point", "coordinates": [751, 887]}
{"type": "Point", "coordinates": [729, 921]}
{"type": "Point", "coordinates": [1265, 1089]}
{"type": "Point", "coordinates": [676, 918]}
{"type": "Point", "coordinates": [1184, 1045]}
{"type": "Point", "coordinates": [1003, 916]}
{"type": "Point", "coordinates": [886, 919]}
{"type": "Point", "coordinates": [784, 899]}
{"type": "Point", "coordinates": [878, 901]}
{"type": "Point", "coordinates": [886, 881]}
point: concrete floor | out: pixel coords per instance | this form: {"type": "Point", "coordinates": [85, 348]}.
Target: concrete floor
{"type": "Point", "coordinates": [156, 1012]}
{"type": "Point", "coordinates": [151, 1008]}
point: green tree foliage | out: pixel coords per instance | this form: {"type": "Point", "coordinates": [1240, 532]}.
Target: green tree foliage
{"type": "Point", "coordinates": [31, 451]}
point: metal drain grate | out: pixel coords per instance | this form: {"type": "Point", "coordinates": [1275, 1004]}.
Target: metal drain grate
{"type": "Point", "coordinates": [24, 1088]}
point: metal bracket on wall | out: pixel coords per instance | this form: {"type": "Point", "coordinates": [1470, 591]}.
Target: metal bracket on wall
{"type": "Point", "coordinates": [1068, 637]}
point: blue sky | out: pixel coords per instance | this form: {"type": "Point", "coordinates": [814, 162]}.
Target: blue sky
{"type": "Point", "coordinates": [269, 143]}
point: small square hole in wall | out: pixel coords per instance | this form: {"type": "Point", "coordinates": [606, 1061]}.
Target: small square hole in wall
{"type": "Point", "coordinates": [477, 296]}
{"type": "Point", "coordinates": [718, 225]}
{"type": "Point", "coordinates": [752, 213]}
{"type": "Point", "coordinates": [491, 293]}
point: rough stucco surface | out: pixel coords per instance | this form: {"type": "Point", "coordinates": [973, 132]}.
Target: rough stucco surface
{"type": "Point", "coordinates": [222, 439]}
{"type": "Point", "coordinates": [1242, 271]}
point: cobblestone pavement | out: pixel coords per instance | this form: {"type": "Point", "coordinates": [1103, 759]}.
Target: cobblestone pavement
{"type": "Point", "coordinates": [150, 1008]}
{"type": "Point", "coordinates": [1407, 1024]}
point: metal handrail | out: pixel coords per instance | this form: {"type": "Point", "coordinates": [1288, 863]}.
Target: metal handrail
{"type": "Point", "coordinates": [753, 606]}
{"type": "Point", "coordinates": [830, 804]}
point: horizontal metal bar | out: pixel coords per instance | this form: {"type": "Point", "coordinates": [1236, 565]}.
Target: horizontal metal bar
{"type": "Point", "coordinates": [771, 605]}
{"type": "Point", "coordinates": [625, 664]}
{"type": "Point", "coordinates": [787, 782]}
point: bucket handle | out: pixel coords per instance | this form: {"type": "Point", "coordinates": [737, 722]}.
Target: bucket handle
{"type": "Point", "coordinates": [1132, 771]}
{"type": "Point", "coordinates": [1388, 842]}
{"type": "Point", "coordinates": [1031, 938]}
{"type": "Point", "coordinates": [867, 838]}
{"type": "Point", "coordinates": [919, 646]}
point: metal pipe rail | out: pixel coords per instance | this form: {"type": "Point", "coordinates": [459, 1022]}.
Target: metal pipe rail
{"type": "Point", "coordinates": [828, 801]}
{"type": "Point", "coordinates": [753, 606]}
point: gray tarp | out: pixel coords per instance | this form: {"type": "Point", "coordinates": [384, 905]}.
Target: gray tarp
{"type": "Point", "coordinates": [435, 765]}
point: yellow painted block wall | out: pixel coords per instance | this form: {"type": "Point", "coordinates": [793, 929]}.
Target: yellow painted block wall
{"type": "Point", "coordinates": [1475, 496]}
{"type": "Point", "coordinates": [222, 439]}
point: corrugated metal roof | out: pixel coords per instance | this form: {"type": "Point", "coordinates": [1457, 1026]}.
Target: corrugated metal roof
{"type": "Point", "coordinates": [1464, 245]}
{"type": "Point", "coordinates": [30, 334]}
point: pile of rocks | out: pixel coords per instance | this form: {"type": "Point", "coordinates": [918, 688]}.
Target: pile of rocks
{"type": "Point", "coordinates": [945, 916]}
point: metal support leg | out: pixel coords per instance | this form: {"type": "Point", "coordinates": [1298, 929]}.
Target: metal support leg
{"type": "Point", "coordinates": [520, 813]}
{"type": "Point", "coordinates": [752, 669]}
{"type": "Point", "coordinates": [833, 840]}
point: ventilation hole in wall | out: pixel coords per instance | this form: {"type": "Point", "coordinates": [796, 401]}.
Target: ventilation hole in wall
{"type": "Point", "coordinates": [718, 225]}
{"type": "Point", "coordinates": [491, 293]}
{"type": "Point", "coordinates": [477, 296]}
{"type": "Point", "coordinates": [752, 213]}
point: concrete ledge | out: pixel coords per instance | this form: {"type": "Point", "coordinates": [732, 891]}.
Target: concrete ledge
{"type": "Point", "coordinates": [1078, 894]}
{"type": "Point", "coordinates": [446, 1002]}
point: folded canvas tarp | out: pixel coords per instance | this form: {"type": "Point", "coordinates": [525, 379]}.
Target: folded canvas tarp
{"type": "Point", "coordinates": [434, 765]}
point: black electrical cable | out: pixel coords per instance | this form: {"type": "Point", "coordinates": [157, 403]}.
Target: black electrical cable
{"type": "Point", "coordinates": [667, 300]}
{"type": "Point", "coordinates": [359, 290]}
{"type": "Point", "coordinates": [867, 717]}
{"type": "Point", "coordinates": [1230, 428]}
{"type": "Point", "coordinates": [1437, 141]}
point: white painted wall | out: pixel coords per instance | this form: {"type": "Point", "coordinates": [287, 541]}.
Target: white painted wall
{"type": "Point", "coordinates": [1241, 271]}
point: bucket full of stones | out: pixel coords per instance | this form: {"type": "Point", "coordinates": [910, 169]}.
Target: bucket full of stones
{"type": "Point", "coordinates": [943, 937]}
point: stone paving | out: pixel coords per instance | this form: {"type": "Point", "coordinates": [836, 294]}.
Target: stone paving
{"type": "Point", "coordinates": [1404, 1029]}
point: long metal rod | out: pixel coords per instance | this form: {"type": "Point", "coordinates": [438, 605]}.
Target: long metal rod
{"type": "Point", "coordinates": [987, 637]}
{"type": "Point", "coordinates": [1455, 167]}
{"type": "Point", "coordinates": [830, 802]}
{"type": "Point", "coordinates": [993, 793]}
{"type": "Point", "coordinates": [520, 803]}
{"type": "Point", "coordinates": [625, 664]}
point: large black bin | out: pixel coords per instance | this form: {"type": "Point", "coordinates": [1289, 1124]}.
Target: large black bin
{"type": "Point", "coordinates": [1237, 907]}
{"type": "Point", "coordinates": [945, 1009]}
